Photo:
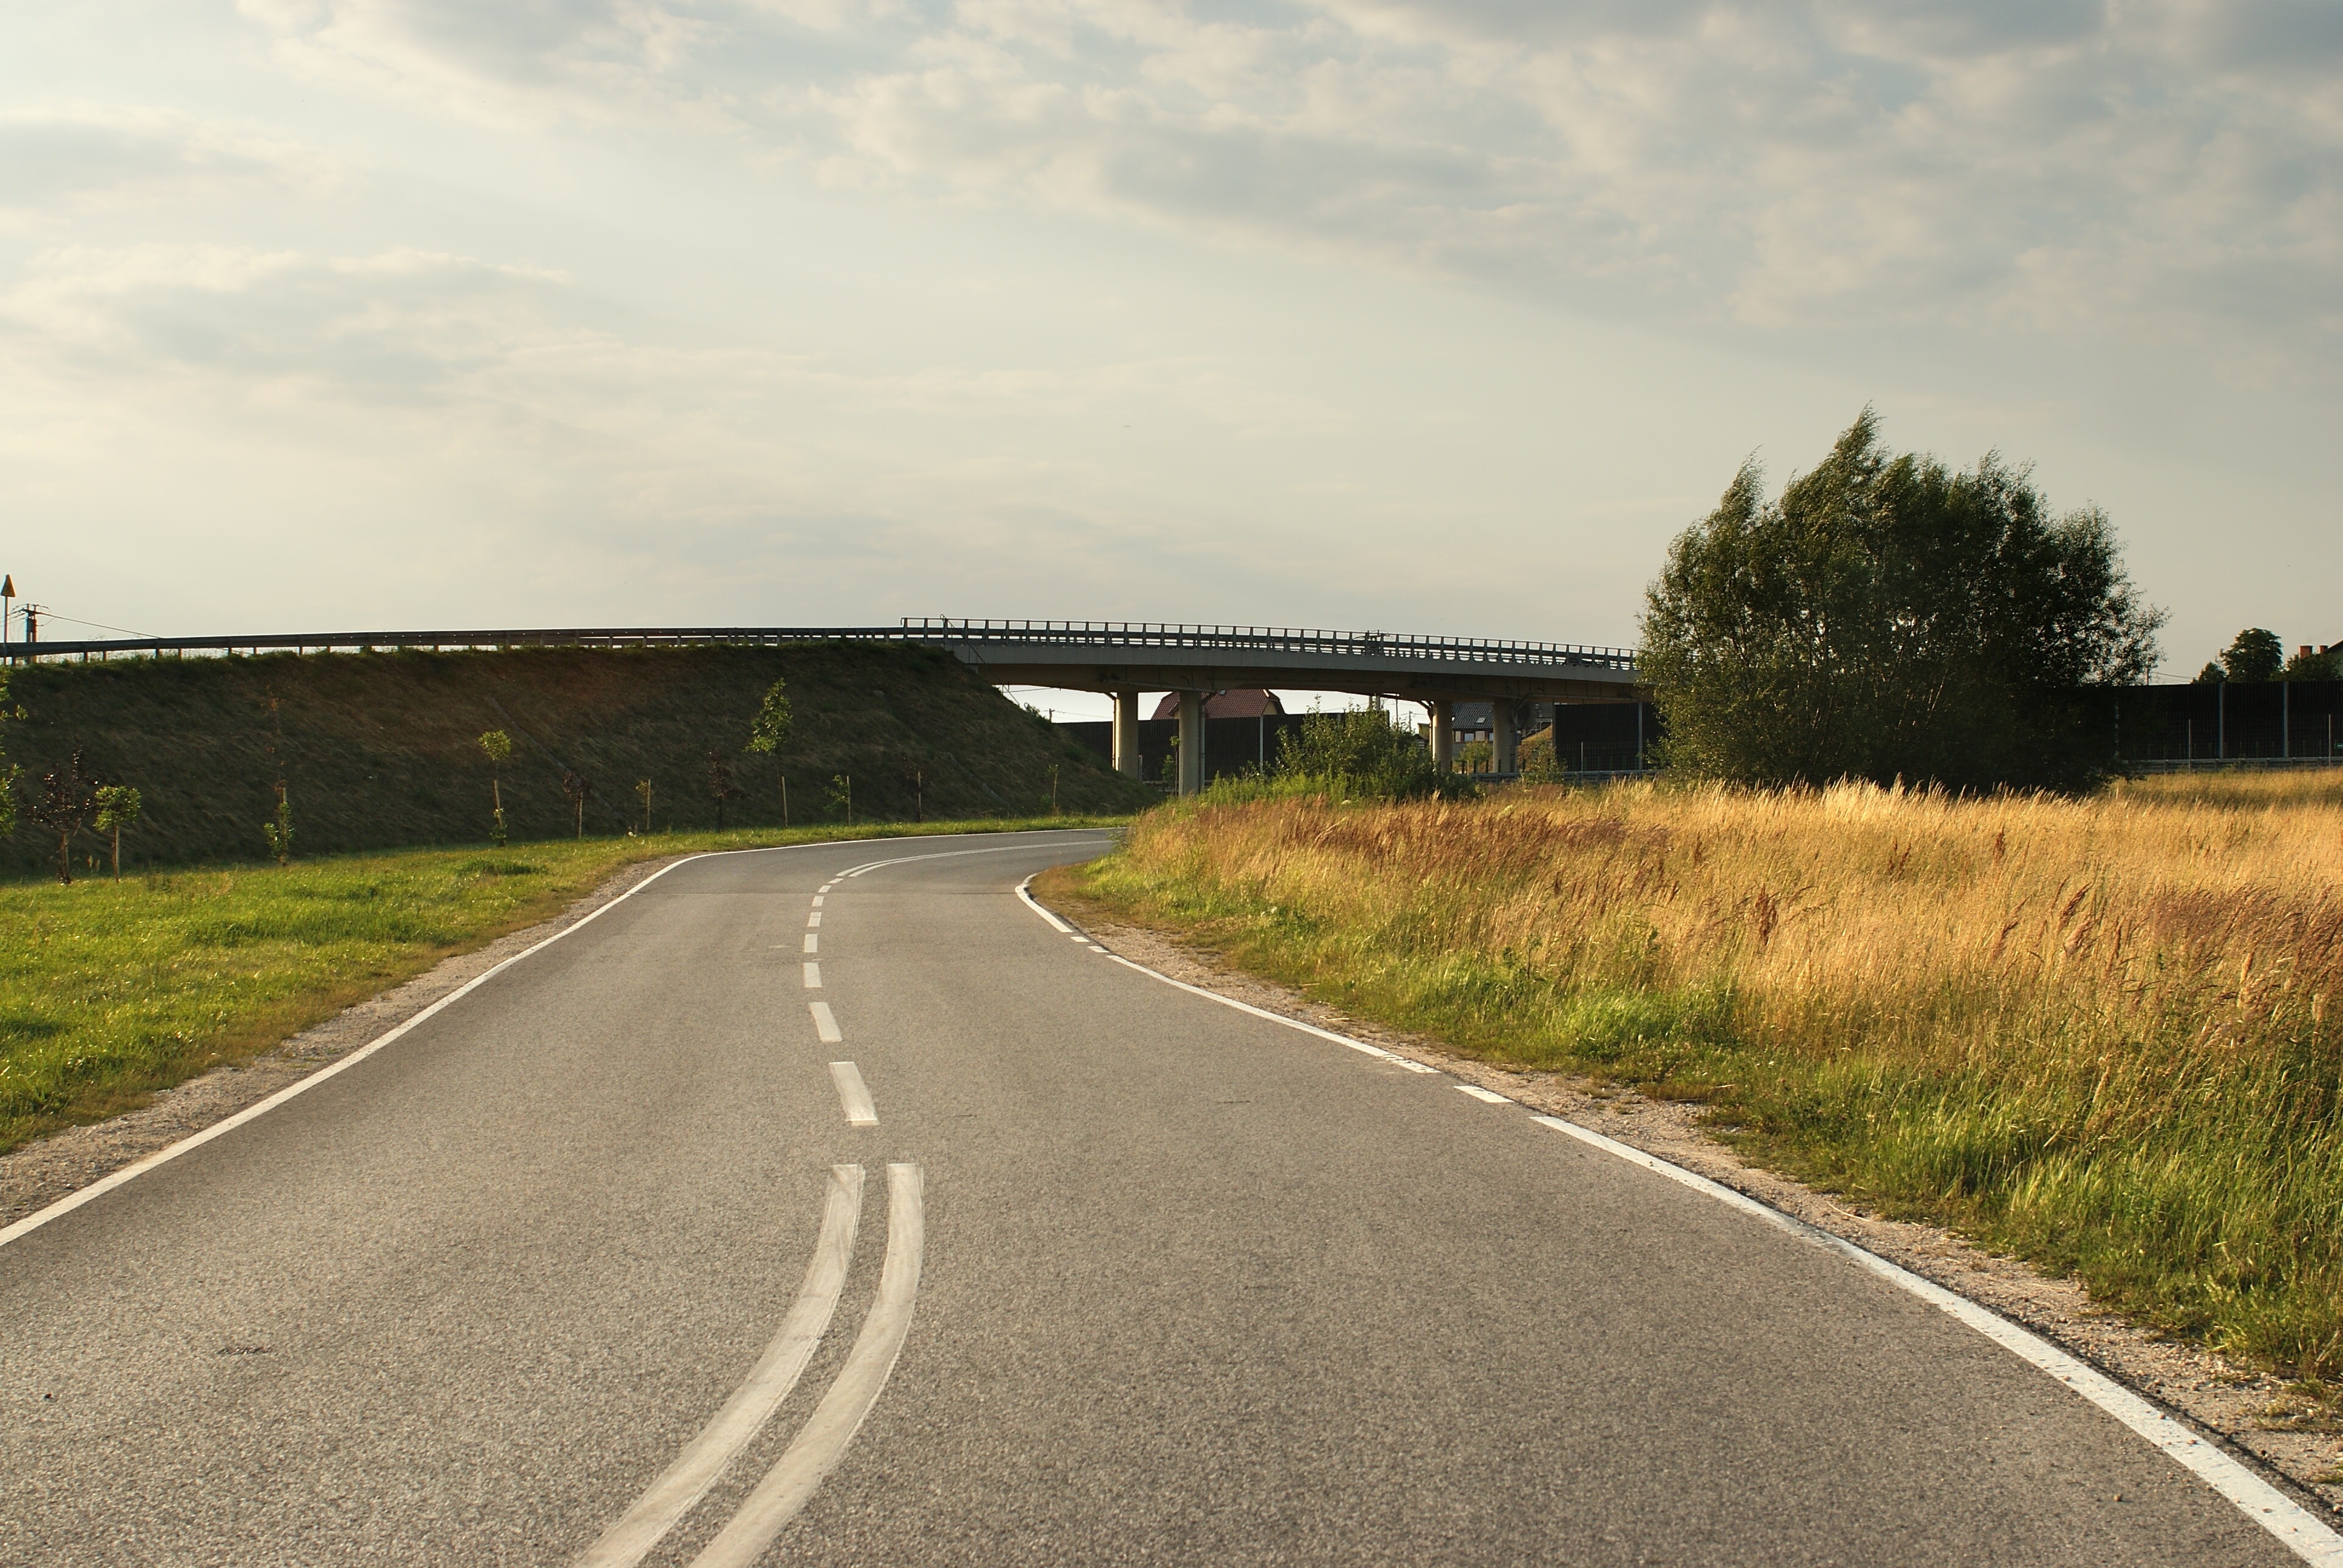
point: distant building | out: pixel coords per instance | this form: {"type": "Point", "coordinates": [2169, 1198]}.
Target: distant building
{"type": "Point", "coordinates": [1228, 705]}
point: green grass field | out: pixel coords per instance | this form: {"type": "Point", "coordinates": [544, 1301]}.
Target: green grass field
{"type": "Point", "coordinates": [110, 991]}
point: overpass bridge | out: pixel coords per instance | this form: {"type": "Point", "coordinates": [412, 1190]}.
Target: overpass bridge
{"type": "Point", "coordinates": [1122, 658]}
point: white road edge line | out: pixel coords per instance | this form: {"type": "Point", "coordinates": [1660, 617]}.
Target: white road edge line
{"type": "Point", "coordinates": [137, 1167]}
{"type": "Point", "coordinates": [824, 1439]}
{"type": "Point", "coordinates": [2295, 1526]}
{"type": "Point", "coordinates": [1358, 1045]}
{"type": "Point", "coordinates": [1477, 1092]}
{"type": "Point", "coordinates": [1056, 924]}
{"type": "Point", "coordinates": [105, 1184]}
{"type": "Point", "coordinates": [684, 1483]}
{"type": "Point", "coordinates": [825, 1023]}
{"type": "Point", "coordinates": [853, 1095]}
{"type": "Point", "coordinates": [813, 977]}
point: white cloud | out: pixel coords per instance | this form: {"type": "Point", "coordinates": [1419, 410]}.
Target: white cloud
{"type": "Point", "coordinates": [72, 160]}
{"type": "Point", "coordinates": [2053, 166]}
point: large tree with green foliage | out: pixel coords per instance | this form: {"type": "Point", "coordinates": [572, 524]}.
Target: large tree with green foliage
{"type": "Point", "coordinates": [1886, 616]}
{"type": "Point", "coordinates": [2255, 654]}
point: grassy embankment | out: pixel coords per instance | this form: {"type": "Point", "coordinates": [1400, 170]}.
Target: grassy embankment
{"type": "Point", "coordinates": [2099, 1034]}
{"type": "Point", "coordinates": [381, 750]}
{"type": "Point", "coordinates": [110, 991]}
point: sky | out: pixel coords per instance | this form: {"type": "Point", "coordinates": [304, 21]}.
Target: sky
{"type": "Point", "coordinates": [1362, 314]}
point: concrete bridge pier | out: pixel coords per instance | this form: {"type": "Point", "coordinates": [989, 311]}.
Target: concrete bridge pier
{"type": "Point", "coordinates": [1443, 734]}
{"type": "Point", "coordinates": [1504, 735]}
{"type": "Point", "coordinates": [1191, 742]}
{"type": "Point", "coordinates": [1126, 735]}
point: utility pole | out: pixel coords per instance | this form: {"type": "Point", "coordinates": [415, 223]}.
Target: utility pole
{"type": "Point", "coordinates": [7, 599]}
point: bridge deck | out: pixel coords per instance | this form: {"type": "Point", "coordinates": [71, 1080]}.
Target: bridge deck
{"type": "Point", "coordinates": [1100, 656]}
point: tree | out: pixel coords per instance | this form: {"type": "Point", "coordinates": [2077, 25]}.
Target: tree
{"type": "Point", "coordinates": [2255, 654]}
{"type": "Point", "coordinates": [1887, 618]}
{"type": "Point", "coordinates": [841, 797]}
{"type": "Point", "coordinates": [770, 730]}
{"type": "Point", "coordinates": [720, 787]}
{"type": "Point", "coordinates": [499, 746]}
{"type": "Point", "coordinates": [68, 798]}
{"type": "Point", "coordinates": [2309, 665]}
{"type": "Point", "coordinates": [278, 831]}
{"type": "Point", "coordinates": [580, 789]}
{"type": "Point", "coordinates": [117, 808]}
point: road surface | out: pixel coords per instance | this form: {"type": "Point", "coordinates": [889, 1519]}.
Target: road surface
{"type": "Point", "coordinates": [889, 1225]}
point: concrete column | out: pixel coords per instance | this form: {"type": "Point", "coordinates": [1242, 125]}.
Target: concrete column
{"type": "Point", "coordinates": [1126, 735]}
{"type": "Point", "coordinates": [1444, 735]}
{"type": "Point", "coordinates": [1191, 742]}
{"type": "Point", "coordinates": [1505, 736]}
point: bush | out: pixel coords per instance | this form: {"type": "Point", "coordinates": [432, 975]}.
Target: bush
{"type": "Point", "coordinates": [1360, 753]}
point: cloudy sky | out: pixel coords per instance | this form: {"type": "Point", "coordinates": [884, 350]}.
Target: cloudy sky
{"type": "Point", "coordinates": [1350, 313]}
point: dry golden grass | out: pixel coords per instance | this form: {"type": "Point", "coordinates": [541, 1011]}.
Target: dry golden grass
{"type": "Point", "coordinates": [2096, 1032]}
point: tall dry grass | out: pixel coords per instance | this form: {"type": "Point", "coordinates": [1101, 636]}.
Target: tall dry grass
{"type": "Point", "coordinates": [2098, 1032]}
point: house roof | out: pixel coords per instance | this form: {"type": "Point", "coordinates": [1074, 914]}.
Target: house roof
{"type": "Point", "coordinates": [1240, 704]}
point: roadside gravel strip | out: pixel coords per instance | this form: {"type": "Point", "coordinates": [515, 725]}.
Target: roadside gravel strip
{"type": "Point", "coordinates": [2219, 1398]}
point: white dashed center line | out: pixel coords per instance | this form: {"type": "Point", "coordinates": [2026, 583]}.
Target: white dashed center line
{"type": "Point", "coordinates": [817, 900]}
{"type": "Point", "coordinates": [824, 1025]}
{"type": "Point", "coordinates": [813, 943]}
{"type": "Point", "coordinates": [853, 1095]}
{"type": "Point", "coordinates": [814, 920]}
{"type": "Point", "coordinates": [813, 977]}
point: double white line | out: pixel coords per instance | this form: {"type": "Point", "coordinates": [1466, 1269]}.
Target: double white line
{"type": "Point", "coordinates": [822, 1442]}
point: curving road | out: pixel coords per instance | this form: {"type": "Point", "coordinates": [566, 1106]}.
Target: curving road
{"type": "Point", "coordinates": [788, 1212]}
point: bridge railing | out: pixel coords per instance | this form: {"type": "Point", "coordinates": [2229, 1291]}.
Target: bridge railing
{"type": "Point", "coordinates": [1296, 639]}
{"type": "Point", "coordinates": [1069, 634]}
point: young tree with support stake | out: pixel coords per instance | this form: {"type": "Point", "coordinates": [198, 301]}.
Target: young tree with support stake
{"type": "Point", "coordinates": [499, 746]}
{"type": "Point", "coordinates": [580, 789]}
{"type": "Point", "coordinates": [720, 788]}
{"type": "Point", "coordinates": [770, 731]}
{"type": "Point", "coordinates": [117, 808]}
{"type": "Point", "coordinates": [69, 800]}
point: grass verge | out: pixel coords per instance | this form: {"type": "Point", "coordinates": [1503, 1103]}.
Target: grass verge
{"type": "Point", "coordinates": [111, 991]}
{"type": "Point", "coordinates": [2096, 1033]}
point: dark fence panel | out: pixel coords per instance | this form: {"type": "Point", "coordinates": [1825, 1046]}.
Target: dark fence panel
{"type": "Point", "coordinates": [2234, 721]}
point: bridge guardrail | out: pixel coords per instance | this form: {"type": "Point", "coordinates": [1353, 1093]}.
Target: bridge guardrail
{"type": "Point", "coordinates": [919, 629]}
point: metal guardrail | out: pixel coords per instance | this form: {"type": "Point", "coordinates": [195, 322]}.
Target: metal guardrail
{"type": "Point", "coordinates": [927, 630]}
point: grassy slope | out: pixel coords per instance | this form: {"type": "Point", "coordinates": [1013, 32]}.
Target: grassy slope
{"type": "Point", "coordinates": [379, 749]}
{"type": "Point", "coordinates": [2097, 1033]}
{"type": "Point", "coordinates": [109, 991]}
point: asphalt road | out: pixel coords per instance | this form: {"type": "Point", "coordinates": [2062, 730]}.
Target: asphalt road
{"type": "Point", "coordinates": [1114, 1275]}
